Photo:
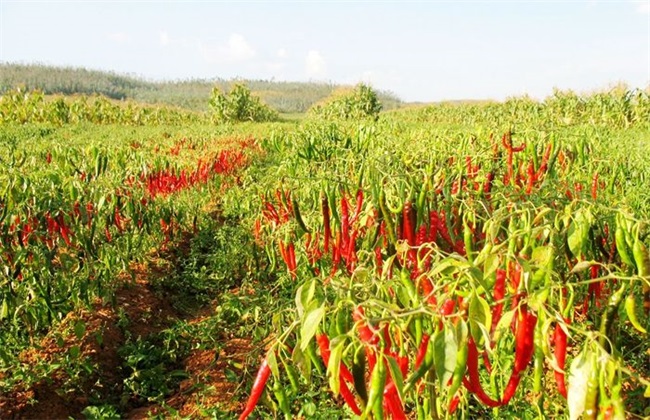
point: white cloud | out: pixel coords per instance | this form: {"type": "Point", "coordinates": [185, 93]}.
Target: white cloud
{"type": "Point", "coordinates": [237, 49]}
{"type": "Point", "coordinates": [120, 37]}
{"type": "Point", "coordinates": [282, 53]}
{"type": "Point", "coordinates": [643, 8]}
{"type": "Point", "coordinates": [164, 38]}
{"type": "Point", "coordinates": [274, 66]}
{"type": "Point", "coordinates": [315, 66]}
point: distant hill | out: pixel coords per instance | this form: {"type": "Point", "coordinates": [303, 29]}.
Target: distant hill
{"type": "Point", "coordinates": [286, 97]}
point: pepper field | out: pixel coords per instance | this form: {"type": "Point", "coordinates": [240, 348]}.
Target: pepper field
{"type": "Point", "coordinates": [445, 261]}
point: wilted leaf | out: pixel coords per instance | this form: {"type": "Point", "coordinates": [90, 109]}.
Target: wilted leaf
{"type": "Point", "coordinates": [578, 378]}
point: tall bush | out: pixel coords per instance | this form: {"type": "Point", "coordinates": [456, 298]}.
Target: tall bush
{"type": "Point", "coordinates": [239, 105]}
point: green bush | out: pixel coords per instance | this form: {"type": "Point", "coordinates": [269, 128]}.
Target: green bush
{"type": "Point", "coordinates": [239, 105]}
{"type": "Point", "coordinates": [358, 103]}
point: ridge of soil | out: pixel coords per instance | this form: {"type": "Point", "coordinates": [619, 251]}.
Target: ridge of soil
{"type": "Point", "coordinates": [148, 313]}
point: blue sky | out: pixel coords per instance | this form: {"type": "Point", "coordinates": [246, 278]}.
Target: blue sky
{"type": "Point", "coordinates": [422, 51]}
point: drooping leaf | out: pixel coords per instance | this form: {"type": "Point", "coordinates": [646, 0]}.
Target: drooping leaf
{"type": "Point", "coordinates": [445, 347]}
{"type": "Point", "coordinates": [480, 317]}
{"type": "Point", "coordinates": [578, 377]}
{"type": "Point", "coordinates": [310, 325]}
{"type": "Point", "coordinates": [334, 364]}
{"type": "Point", "coordinates": [396, 374]}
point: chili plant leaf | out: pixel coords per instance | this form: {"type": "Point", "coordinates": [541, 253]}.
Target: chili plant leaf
{"type": "Point", "coordinates": [577, 393]}
{"type": "Point", "coordinates": [310, 325]}
{"type": "Point", "coordinates": [445, 347]}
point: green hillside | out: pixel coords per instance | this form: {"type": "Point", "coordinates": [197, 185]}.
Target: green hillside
{"type": "Point", "coordinates": [286, 97]}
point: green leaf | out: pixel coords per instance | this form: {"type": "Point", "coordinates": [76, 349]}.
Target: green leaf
{"type": "Point", "coordinates": [577, 392]}
{"type": "Point", "coordinates": [578, 233]}
{"type": "Point", "coordinates": [304, 295]}
{"type": "Point", "coordinates": [491, 264]}
{"type": "Point", "coordinates": [273, 364]}
{"type": "Point", "coordinates": [79, 329]}
{"type": "Point", "coordinates": [396, 373]}
{"type": "Point", "coordinates": [334, 364]}
{"type": "Point", "coordinates": [480, 317]}
{"type": "Point", "coordinates": [75, 351]}
{"type": "Point", "coordinates": [444, 265]}
{"type": "Point", "coordinates": [309, 408]}
{"type": "Point", "coordinates": [4, 310]}
{"type": "Point", "coordinates": [310, 325]}
{"type": "Point", "coordinates": [581, 266]}
{"type": "Point", "coordinates": [503, 325]}
{"type": "Point", "coordinates": [445, 350]}
{"type": "Point", "coordinates": [542, 256]}
{"type": "Point", "coordinates": [302, 362]}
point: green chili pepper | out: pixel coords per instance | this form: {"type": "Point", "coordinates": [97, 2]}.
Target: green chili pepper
{"type": "Point", "coordinates": [315, 360]}
{"type": "Point", "coordinates": [298, 216]}
{"type": "Point", "coordinates": [376, 392]}
{"type": "Point", "coordinates": [292, 374]}
{"type": "Point", "coordinates": [283, 401]}
{"type": "Point", "coordinates": [468, 238]}
{"type": "Point", "coordinates": [630, 309]}
{"type": "Point", "coordinates": [609, 315]}
{"type": "Point", "coordinates": [641, 258]}
{"type": "Point", "coordinates": [461, 361]}
{"type": "Point", "coordinates": [359, 374]}
{"type": "Point", "coordinates": [621, 243]}
{"type": "Point", "coordinates": [388, 219]}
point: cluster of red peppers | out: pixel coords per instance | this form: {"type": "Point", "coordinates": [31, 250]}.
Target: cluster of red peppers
{"type": "Point", "coordinates": [171, 181]}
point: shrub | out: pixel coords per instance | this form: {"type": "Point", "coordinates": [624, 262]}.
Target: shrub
{"type": "Point", "coordinates": [239, 105]}
{"type": "Point", "coordinates": [358, 103]}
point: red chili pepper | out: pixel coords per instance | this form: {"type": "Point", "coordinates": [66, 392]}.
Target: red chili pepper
{"type": "Point", "coordinates": [283, 252]}
{"type": "Point", "coordinates": [407, 219]}
{"type": "Point", "coordinates": [433, 226]}
{"type": "Point", "coordinates": [543, 167]}
{"type": "Point", "coordinates": [326, 222]}
{"type": "Point", "coordinates": [524, 350]}
{"type": "Point", "coordinates": [453, 405]}
{"type": "Point", "coordinates": [291, 253]}
{"type": "Point", "coordinates": [345, 375]}
{"type": "Point", "coordinates": [447, 307]}
{"type": "Point", "coordinates": [348, 397]}
{"type": "Point", "coordinates": [594, 186]}
{"type": "Point", "coordinates": [324, 346]}
{"type": "Point", "coordinates": [350, 252]}
{"type": "Point", "coordinates": [408, 222]}
{"type": "Point", "coordinates": [530, 173]}
{"type": "Point", "coordinates": [499, 293]}
{"type": "Point", "coordinates": [487, 186]}
{"type": "Point", "coordinates": [392, 401]}
{"type": "Point", "coordinates": [474, 383]}
{"type": "Point", "coordinates": [118, 220]}
{"type": "Point", "coordinates": [470, 169]}
{"type": "Point", "coordinates": [560, 339]}
{"type": "Point", "coordinates": [357, 211]}
{"type": "Point", "coordinates": [258, 387]}
{"type": "Point", "coordinates": [365, 333]}
{"type": "Point", "coordinates": [422, 350]}
{"type": "Point", "coordinates": [511, 388]}
{"type": "Point", "coordinates": [345, 222]}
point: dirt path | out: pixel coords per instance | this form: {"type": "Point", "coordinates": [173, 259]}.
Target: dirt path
{"type": "Point", "coordinates": [140, 312]}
